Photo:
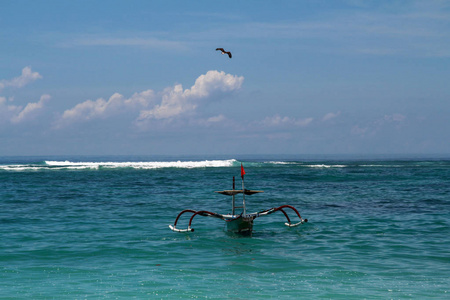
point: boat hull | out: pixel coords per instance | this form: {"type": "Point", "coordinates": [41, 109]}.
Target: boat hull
{"type": "Point", "coordinates": [240, 225]}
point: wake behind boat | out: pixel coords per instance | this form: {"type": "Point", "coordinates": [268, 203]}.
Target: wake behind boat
{"type": "Point", "coordinates": [241, 223]}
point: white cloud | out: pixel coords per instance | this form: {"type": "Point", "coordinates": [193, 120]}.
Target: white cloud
{"type": "Point", "coordinates": [170, 103]}
{"type": "Point", "coordinates": [176, 101]}
{"type": "Point", "coordinates": [386, 123]}
{"type": "Point", "coordinates": [213, 121]}
{"type": "Point", "coordinates": [216, 119]}
{"type": "Point", "coordinates": [394, 118]}
{"type": "Point", "coordinates": [173, 103]}
{"type": "Point", "coordinates": [101, 108]}
{"type": "Point", "coordinates": [277, 120]}
{"type": "Point", "coordinates": [18, 114]}
{"type": "Point", "coordinates": [357, 130]}
{"type": "Point", "coordinates": [30, 109]}
{"type": "Point", "coordinates": [142, 99]}
{"type": "Point", "coordinates": [330, 116]}
{"type": "Point", "coordinates": [26, 77]}
{"type": "Point", "coordinates": [90, 109]}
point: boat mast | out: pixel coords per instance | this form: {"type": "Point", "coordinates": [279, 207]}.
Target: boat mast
{"type": "Point", "coordinates": [232, 202]}
{"type": "Point", "coordinates": [243, 196]}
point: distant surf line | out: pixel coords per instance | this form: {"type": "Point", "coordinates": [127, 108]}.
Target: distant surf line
{"type": "Point", "coordinates": [192, 164]}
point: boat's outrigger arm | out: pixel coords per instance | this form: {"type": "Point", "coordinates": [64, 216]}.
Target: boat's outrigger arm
{"type": "Point", "coordinates": [289, 224]}
{"type": "Point", "coordinates": [252, 216]}
{"type": "Point", "coordinates": [203, 213]}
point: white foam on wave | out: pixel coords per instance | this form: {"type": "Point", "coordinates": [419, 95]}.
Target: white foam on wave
{"type": "Point", "coordinates": [69, 165]}
{"type": "Point", "coordinates": [142, 165]}
{"type": "Point", "coordinates": [310, 165]}
{"type": "Point", "coordinates": [326, 166]}
{"type": "Point", "coordinates": [381, 166]}
{"type": "Point", "coordinates": [282, 162]}
{"type": "Point", "coordinates": [18, 167]}
{"type": "Point", "coordinates": [302, 164]}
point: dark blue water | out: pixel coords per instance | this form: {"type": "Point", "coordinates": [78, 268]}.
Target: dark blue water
{"type": "Point", "coordinates": [80, 227]}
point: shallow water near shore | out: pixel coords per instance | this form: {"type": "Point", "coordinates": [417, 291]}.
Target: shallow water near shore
{"type": "Point", "coordinates": [94, 227]}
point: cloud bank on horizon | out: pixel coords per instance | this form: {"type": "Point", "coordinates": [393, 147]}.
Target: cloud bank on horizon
{"type": "Point", "coordinates": [170, 103]}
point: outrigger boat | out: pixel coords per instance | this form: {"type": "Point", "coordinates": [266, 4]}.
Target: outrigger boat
{"type": "Point", "coordinates": [241, 223]}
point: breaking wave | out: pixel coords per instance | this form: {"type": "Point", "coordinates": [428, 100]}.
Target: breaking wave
{"type": "Point", "coordinates": [69, 165]}
{"type": "Point", "coordinates": [191, 164]}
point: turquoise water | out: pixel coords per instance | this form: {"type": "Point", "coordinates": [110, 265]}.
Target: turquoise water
{"type": "Point", "coordinates": [97, 228]}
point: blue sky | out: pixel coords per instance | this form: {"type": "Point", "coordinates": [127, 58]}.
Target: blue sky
{"type": "Point", "coordinates": [143, 77]}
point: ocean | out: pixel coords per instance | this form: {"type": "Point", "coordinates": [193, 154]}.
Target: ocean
{"type": "Point", "coordinates": [98, 228]}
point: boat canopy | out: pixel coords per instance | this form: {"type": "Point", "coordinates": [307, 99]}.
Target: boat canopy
{"type": "Point", "coordinates": [235, 192]}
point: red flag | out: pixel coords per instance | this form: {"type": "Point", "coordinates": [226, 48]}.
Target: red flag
{"type": "Point", "coordinates": [242, 171]}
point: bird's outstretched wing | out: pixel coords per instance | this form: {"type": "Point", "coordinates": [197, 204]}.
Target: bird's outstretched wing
{"type": "Point", "coordinates": [221, 49]}
{"type": "Point", "coordinates": [229, 54]}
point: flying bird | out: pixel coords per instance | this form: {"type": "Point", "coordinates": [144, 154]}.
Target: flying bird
{"type": "Point", "coordinates": [224, 52]}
